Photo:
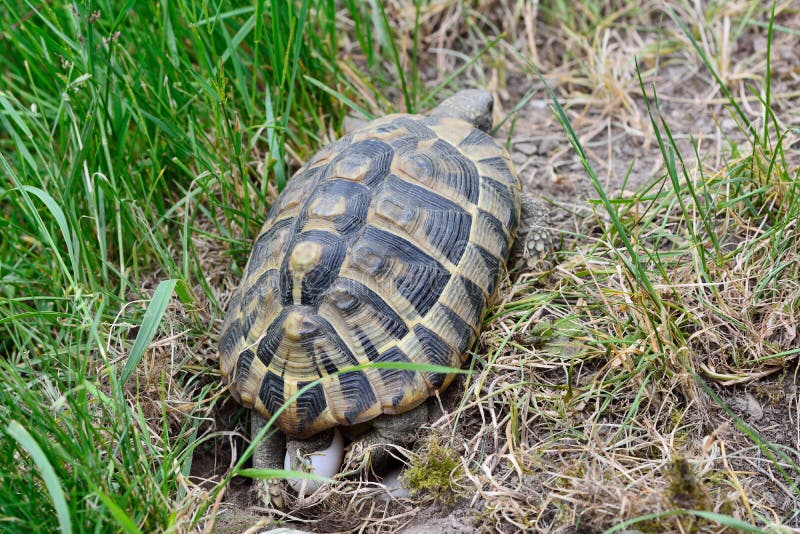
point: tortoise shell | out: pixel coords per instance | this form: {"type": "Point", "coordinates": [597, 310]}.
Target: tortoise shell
{"type": "Point", "coordinates": [386, 246]}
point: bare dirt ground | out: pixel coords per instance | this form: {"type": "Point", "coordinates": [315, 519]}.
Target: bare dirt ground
{"type": "Point", "coordinates": [534, 457]}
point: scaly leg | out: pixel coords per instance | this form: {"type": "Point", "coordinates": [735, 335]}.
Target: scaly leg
{"type": "Point", "coordinates": [268, 455]}
{"type": "Point", "coordinates": [372, 450]}
{"type": "Point", "coordinates": [536, 240]}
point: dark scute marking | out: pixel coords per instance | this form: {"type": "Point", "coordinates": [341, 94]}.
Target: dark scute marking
{"type": "Point", "coordinates": [416, 196]}
{"type": "Point", "coordinates": [422, 286]}
{"type": "Point", "coordinates": [393, 354]}
{"type": "Point", "coordinates": [502, 191]}
{"type": "Point", "coordinates": [268, 282]}
{"type": "Point", "coordinates": [243, 364]}
{"type": "Point", "coordinates": [338, 342]}
{"type": "Point", "coordinates": [500, 165]}
{"type": "Point", "coordinates": [497, 229]}
{"type": "Point", "coordinates": [361, 296]}
{"type": "Point", "coordinates": [286, 278]}
{"type": "Point", "coordinates": [357, 392]}
{"type": "Point", "coordinates": [272, 338]}
{"type": "Point", "coordinates": [477, 137]}
{"type": "Point", "coordinates": [448, 231]}
{"type": "Point", "coordinates": [357, 197]}
{"type": "Point", "coordinates": [366, 343]}
{"type": "Point", "coordinates": [437, 352]}
{"type": "Point", "coordinates": [477, 301]}
{"type": "Point", "coordinates": [310, 404]}
{"type": "Point", "coordinates": [448, 224]}
{"type": "Point", "coordinates": [397, 247]}
{"type": "Point", "coordinates": [286, 284]}
{"type": "Point", "coordinates": [321, 276]}
{"type": "Point", "coordinates": [415, 127]}
{"type": "Point", "coordinates": [273, 211]}
{"type": "Point", "coordinates": [327, 362]}
{"type": "Point", "coordinates": [373, 151]}
{"type": "Point", "coordinates": [456, 170]}
{"type": "Point", "coordinates": [463, 331]}
{"type": "Point", "coordinates": [404, 144]}
{"type": "Point", "coordinates": [444, 166]}
{"type": "Point", "coordinates": [395, 379]}
{"type": "Point", "coordinates": [492, 266]}
{"type": "Point", "coordinates": [263, 247]}
{"type": "Point", "coordinates": [271, 392]}
{"type": "Point", "coordinates": [422, 278]}
{"type": "Point", "coordinates": [387, 128]}
{"type": "Point", "coordinates": [422, 167]}
{"type": "Point", "coordinates": [324, 331]}
{"type": "Point", "coordinates": [235, 301]}
{"type": "Point", "coordinates": [230, 337]}
{"type": "Point", "coordinates": [249, 319]}
{"type": "Point", "coordinates": [297, 182]}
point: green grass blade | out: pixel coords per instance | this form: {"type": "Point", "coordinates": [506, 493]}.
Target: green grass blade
{"type": "Point", "coordinates": [387, 34]}
{"type": "Point", "coordinates": [632, 261]}
{"type": "Point", "coordinates": [724, 520]}
{"type": "Point", "coordinates": [122, 519]}
{"type": "Point", "coordinates": [669, 153]}
{"type": "Point", "coordinates": [294, 60]}
{"type": "Point", "coordinates": [150, 322]}
{"type": "Point", "coordinates": [768, 73]}
{"type": "Point", "coordinates": [710, 67]}
{"type": "Point", "coordinates": [286, 474]}
{"type": "Point", "coordinates": [51, 481]}
{"type": "Point", "coordinates": [336, 94]}
{"type": "Point", "coordinates": [58, 214]}
{"type": "Point", "coordinates": [237, 39]}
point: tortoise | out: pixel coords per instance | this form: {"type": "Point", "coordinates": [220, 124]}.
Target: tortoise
{"type": "Point", "coordinates": [387, 246]}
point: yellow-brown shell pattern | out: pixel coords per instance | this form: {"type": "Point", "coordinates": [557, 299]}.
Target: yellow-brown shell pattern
{"type": "Point", "coordinates": [387, 245]}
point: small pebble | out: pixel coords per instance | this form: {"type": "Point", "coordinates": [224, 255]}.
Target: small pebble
{"type": "Point", "coordinates": [527, 148]}
{"type": "Point", "coordinates": [748, 403]}
{"type": "Point", "coordinates": [548, 145]}
{"type": "Point", "coordinates": [754, 407]}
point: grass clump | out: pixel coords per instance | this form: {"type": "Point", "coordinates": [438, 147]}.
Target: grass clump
{"type": "Point", "coordinates": [685, 489]}
{"type": "Point", "coordinates": [435, 471]}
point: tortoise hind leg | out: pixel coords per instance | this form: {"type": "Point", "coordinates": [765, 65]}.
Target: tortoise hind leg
{"type": "Point", "coordinates": [536, 241]}
{"type": "Point", "coordinates": [371, 452]}
{"type": "Point", "coordinates": [269, 492]}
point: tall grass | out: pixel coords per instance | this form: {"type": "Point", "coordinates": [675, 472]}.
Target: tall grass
{"type": "Point", "coordinates": [122, 126]}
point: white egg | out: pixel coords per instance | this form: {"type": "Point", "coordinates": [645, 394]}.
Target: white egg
{"type": "Point", "coordinates": [325, 463]}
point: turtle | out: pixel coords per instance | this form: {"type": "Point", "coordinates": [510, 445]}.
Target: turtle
{"type": "Point", "coordinates": [388, 245]}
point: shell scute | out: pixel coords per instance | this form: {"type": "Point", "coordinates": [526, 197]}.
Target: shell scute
{"type": "Point", "coordinates": [436, 351]}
